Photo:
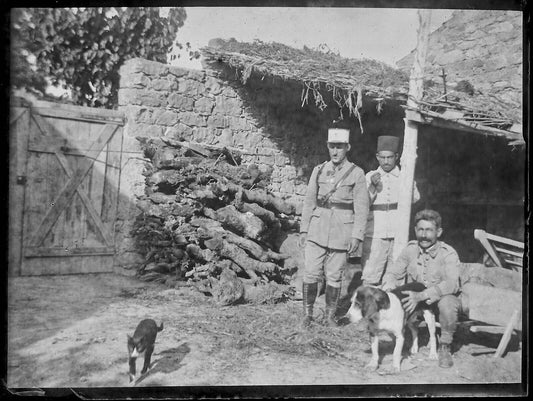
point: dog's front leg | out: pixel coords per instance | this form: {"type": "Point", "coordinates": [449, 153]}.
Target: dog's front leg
{"type": "Point", "coordinates": [397, 354]}
{"type": "Point", "coordinates": [414, 335]}
{"type": "Point", "coordinates": [132, 362]}
{"type": "Point", "coordinates": [374, 346]}
{"type": "Point", "coordinates": [429, 317]}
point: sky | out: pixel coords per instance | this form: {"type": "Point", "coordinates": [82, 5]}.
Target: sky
{"type": "Point", "coordinates": [384, 34]}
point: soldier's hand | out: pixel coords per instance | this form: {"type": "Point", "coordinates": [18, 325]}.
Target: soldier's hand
{"type": "Point", "coordinates": [302, 240]}
{"type": "Point", "coordinates": [375, 179]}
{"type": "Point", "coordinates": [352, 248]}
{"type": "Point", "coordinates": [411, 301]}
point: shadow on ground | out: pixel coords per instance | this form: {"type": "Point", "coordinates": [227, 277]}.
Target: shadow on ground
{"type": "Point", "coordinates": [169, 361]}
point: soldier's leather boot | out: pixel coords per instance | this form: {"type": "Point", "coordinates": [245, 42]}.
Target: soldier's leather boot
{"type": "Point", "coordinates": [445, 356]}
{"type": "Point", "coordinates": [309, 293]}
{"type": "Point", "coordinates": [332, 299]}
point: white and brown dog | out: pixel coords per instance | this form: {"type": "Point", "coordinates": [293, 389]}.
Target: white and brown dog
{"type": "Point", "coordinates": [384, 312]}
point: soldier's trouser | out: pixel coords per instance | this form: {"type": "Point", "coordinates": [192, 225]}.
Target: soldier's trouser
{"type": "Point", "coordinates": [318, 259]}
{"type": "Point", "coordinates": [377, 255]}
{"type": "Point", "coordinates": [449, 307]}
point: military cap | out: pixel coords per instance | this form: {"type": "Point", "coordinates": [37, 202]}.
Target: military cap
{"type": "Point", "coordinates": [339, 135]}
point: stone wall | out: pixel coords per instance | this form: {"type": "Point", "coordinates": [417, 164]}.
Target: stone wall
{"type": "Point", "coordinates": [483, 47]}
{"type": "Point", "coordinates": [264, 120]}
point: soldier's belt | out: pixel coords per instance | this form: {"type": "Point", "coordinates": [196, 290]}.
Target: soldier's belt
{"type": "Point", "coordinates": [334, 205]}
{"type": "Point", "coordinates": [384, 206]}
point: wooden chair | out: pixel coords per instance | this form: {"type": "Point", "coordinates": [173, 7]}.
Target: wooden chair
{"type": "Point", "coordinates": [504, 252]}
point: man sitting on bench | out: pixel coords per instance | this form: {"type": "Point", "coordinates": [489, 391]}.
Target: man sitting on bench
{"type": "Point", "coordinates": [435, 264]}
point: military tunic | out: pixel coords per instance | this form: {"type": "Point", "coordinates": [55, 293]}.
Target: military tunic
{"type": "Point", "coordinates": [438, 268]}
{"type": "Point", "coordinates": [331, 227]}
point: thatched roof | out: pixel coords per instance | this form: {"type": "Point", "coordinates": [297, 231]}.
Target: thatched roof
{"type": "Point", "coordinates": [349, 80]}
{"type": "Point", "coordinates": [317, 71]}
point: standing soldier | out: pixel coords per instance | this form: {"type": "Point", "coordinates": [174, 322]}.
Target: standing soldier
{"type": "Point", "coordinates": [383, 188]}
{"type": "Point", "coordinates": [333, 222]}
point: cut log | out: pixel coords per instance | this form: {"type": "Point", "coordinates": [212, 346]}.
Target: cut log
{"type": "Point", "coordinates": [195, 147]}
{"type": "Point", "coordinates": [229, 289]}
{"type": "Point", "coordinates": [159, 197]}
{"type": "Point", "coordinates": [245, 224]}
{"type": "Point", "coordinates": [251, 247]}
{"type": "Point", "coordinates": [160, 267]}
{"type": "Point", "coordinates": [236, 254]}
{"type": "Point", "coordinates": [165, 158]}
{"type": "Point", "coordinates": [208, 224]}
{"type": "Point", "coordinates": [202, 194]}
{"type": "Point", "coordinates": [150, 209]}
{"type": "Point", "coordinates": [168, 177]}
{"type": "Point", "coordinates": [262, 197]}
{"type": "Point", "coordinates": [264, 214]}
{"type": "Point", "coordinates": [204, 255]}
{"type": "Point", "coordinates": [216, 149]}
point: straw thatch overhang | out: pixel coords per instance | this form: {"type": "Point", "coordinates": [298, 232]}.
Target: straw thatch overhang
{"type": "Point", "coordinates": [349, 81]}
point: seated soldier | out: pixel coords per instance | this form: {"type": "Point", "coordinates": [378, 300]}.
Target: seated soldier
{"type": "Point", "coordinates": [436, 265]}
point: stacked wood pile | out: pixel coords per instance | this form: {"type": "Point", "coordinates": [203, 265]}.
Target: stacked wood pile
{"type": "Point", "coordinates": [209, 222]}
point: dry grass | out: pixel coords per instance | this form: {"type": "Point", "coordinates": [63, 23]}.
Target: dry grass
{"type": "Point", "coordinates": [274, 328]}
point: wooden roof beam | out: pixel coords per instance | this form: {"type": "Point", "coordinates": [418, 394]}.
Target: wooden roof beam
{"type": "Point", "coordinates": [433, 119]}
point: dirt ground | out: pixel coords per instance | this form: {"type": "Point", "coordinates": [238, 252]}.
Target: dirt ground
{"type": "Point", "coordinates": [70, 331]}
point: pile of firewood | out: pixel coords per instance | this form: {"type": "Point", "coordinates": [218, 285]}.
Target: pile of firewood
{"type": "Point", "coordinates": [210, 222]}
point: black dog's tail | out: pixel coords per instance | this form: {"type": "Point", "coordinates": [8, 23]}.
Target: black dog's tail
{"type": "Point", "coordinates": [160, 327]}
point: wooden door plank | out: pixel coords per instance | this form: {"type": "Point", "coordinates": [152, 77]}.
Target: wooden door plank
{"type": "Point", "coordinates": [46, 144]}
{"type": "Point", "coordinates": [112, 180]}
{"type": "Point", "coordinates": [96, 188]}
{"type": "Point", "coordinates": [86, 115]}
{"type": "Point", "coordinates": [54, 180]}
{"type": "Point", "coordinates": [15, 114]}
{"type": "Point", "coordinates": [69, 189]}
{"type": "Point", "coordinates": [53, 144]}
{"type": "Point", "coordinates": [36, 194]}
{"type": "Point", "coordinates": [18, 141]}
{"type": "Point", "coordinates": [71, 265]}
{"type": "Point", "coordinates": [87, 202]}
{"type": "Point", "coordinates": [34, 252]}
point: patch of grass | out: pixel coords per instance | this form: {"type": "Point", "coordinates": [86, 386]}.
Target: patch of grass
{"type": "Point", "coordinates": [277, 328]}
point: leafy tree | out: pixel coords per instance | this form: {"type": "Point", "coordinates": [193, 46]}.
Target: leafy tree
{"type": "Point", "coordinates": [82, 49]}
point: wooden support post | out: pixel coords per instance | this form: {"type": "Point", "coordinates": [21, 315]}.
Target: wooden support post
{"type": "Point", "coordinates": [408, 159]}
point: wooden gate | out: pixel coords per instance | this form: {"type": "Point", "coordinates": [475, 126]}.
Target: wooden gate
{"type": "Point", "coordinates": [64, 185]}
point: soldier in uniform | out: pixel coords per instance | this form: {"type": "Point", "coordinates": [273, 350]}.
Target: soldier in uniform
{"type": "Point", "coordinates": [333, 221]}
{"type": "Point", "coordinates": [383, 188]}
{"type": "Point", "coordinates": [435, 264]}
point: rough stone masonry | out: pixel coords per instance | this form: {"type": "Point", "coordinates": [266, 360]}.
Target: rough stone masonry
{"type": "Point", "coordinates": [189, 105]}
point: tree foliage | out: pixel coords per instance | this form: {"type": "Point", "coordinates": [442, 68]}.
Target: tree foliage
{"type": "Point", "coordinates": [82, 49]}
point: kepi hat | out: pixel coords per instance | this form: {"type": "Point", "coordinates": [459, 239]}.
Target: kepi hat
{"type": "Point", "coordinates": [338, 135]}
{"type": "Point", "coordinates": [387, 142]}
